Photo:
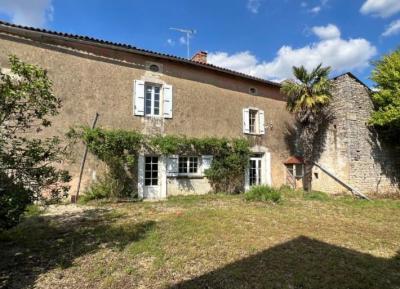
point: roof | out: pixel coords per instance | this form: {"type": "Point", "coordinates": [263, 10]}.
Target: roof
{"type": "Point", "coordinates": [294, 160]}
{"type": "Point", "coordinates": [126, 47]}
{"type": "Point", "coordinates": [352, 76]}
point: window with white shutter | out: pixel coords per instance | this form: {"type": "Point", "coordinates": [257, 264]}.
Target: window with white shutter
{"type": "Point", "coordinates": [246, 124]}
{"type": "Point", "coordinates": [206, 162]}
{"type": "Point", "coordinates": [147, 98]}
{"type": "Point", "coordinates": [138, 95]}
{"type": "Point", "coordinates": [261, 122]}
{"type": "Point", "coordinates": [253, 121]}
{"type": "Point", "coordinates": [172, 165]}
{"type": "Point", "coordinates": [167, 103]}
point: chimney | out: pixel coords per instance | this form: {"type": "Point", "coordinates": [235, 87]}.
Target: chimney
{"type": "Point", "coordinates": [200, 56]}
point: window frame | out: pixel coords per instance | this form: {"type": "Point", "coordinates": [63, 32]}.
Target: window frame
{"type": "Point", "coordinates": [253, 115]}
{"type": "Point", "coordinates": [153, 87]}
{"type": "Point", "coordinates": [151, 171]}
{"type": "Point", "coordinates": [295, 166]}
{"type": "Point", "coordinates": [255, 172]}
{"type": "Point", "coordinates": [292, 168]}
{"type": "Point", "coordinates": [188, 164]}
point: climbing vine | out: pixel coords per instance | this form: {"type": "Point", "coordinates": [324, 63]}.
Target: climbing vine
{"type": "Point", "coordinates": [119, 149]}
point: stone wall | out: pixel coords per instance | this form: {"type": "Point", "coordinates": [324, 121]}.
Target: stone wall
{"type": "Point", "coordinates": [352, 150]}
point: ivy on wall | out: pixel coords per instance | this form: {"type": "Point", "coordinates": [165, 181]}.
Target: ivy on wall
{"type": "Point", "coordinates": [119, 149]}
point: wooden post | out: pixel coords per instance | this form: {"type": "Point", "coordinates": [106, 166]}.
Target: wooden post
{"type": "Point", "coordinates": [74, 200]}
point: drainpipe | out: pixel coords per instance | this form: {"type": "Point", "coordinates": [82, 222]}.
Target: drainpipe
{"type": "Point", "coordinates": [74, 200]}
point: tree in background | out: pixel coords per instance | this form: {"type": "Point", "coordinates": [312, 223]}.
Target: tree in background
{"type": "Point", "coordinates": [386, 98]}
{"type": "Point", "coordinates": [27, 162]}
{"type": "Point", "coordinates": [308, 96]}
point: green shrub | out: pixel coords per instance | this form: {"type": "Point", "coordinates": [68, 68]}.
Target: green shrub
{"type": "Point", "coordinates": [33, 210]}
{"type": "Point", "coordinates": [104, 188]}
{"type": "Point", "coordinates": [263, 193]}
{"type": "Point", "coordinates": [13, 201]}
{"type": "Point", "coordinates": [316, 196]}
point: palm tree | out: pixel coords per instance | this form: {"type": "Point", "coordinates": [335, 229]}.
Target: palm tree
{"type": "Point", "coordinates": [307, 97]}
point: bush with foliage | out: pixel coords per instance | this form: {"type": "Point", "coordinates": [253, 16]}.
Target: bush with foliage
{"type": "Point", "coordinates": [27, 162]}
{"type": "Point", "coordinates": [263, 193]}
{"type": "Point", "coordinates": [386, 97]}
{"type": "Point", "coordinates": [105, 187]}
{"type": "Point", "coordinates": [14, 198]}
{"type": "Point", "coordinates": [119, 150]}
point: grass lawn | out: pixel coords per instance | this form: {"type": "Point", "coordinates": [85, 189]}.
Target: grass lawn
{"type": "Point", "coordinates": [212, 241]}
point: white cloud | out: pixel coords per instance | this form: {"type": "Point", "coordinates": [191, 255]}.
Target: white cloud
{"type": "Point", "coordinates": [315, 10]}
{"type": "Point", "coordinates": [326, 32]}
{"type": "Point", "coordinates": [170, 42]}
{"type": "Point", "coordinates": [242, 61]}
{"type": "Point", "coordinates": [318, 8]}
{"type": "Point", "coordinates": [28, 12]}
{"type": "Point", "coordinates": [381, 8]}
{"type": "Point", "coordinates": [342, 55]}
{"type": "Point", "coordinates": [392, 29]}
{"type": "Point", "coordinates": [303, 4]}
{"type": "Point", "coordinates": [182, 40]}
{"type": "Point", "coordinates": [253, 5]}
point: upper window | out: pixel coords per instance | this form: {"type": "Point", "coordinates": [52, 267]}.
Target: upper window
{"type": "Point", "coordinates": [253, 124]}
{"type": "Point", "coordinates": [188, 165]}
{"type": "Point", "coordinates": [152, 100]}
{"type": "Point", "coordinates": [253, 121]}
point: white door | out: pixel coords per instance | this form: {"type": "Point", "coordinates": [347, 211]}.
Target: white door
{"type": "Point", "coordinates": [152, 177]}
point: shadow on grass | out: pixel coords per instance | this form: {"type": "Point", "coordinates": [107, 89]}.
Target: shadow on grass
{"type": "Point", "coordinates": [42, 243]}
{"type": "Point", "coordinates": [303, 263]}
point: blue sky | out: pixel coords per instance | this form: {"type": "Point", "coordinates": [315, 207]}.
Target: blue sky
{"type": "Point", "coordinates": [264, 38]}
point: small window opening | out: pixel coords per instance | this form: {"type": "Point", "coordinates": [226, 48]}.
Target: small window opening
{"type": "Point", "coordinates": [154, 68]}
{"type": "Point", "coordinates": [253, 90]}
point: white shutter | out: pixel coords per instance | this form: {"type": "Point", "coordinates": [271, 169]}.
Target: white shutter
{"type": "Point", "coordinates": [246, 125]}
{"type": "Point", "coordinates": [138, 95]}
{"type": "Point", "coordinates": [172, 165]}
{"type": "Point", "coordinates": [141, 176]}
{"type": "Point", "coordinates": [167, 93]}
{"type": "Point", "coordinates": [261, 121]}
{"type": "Point", "coordinates": [206, 162]}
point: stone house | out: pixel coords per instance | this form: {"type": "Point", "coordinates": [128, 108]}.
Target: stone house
{"type": "Point", "coordinates": [155, 93]}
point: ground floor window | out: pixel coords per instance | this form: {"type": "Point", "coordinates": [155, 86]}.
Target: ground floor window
{"type": "Point", "coordinates": [296, 170]}
{"type": "Point", "coordinates": [255, 171]}
{"type": "Point", "coordinates": [188, 165]}
{"type": "Point", "coordinates": [151, 171]}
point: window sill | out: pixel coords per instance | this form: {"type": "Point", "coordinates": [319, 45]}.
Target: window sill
{"type": "Point", "coordinates": [153, 116]}
{"type": "Point", "coordinates": [254, 133]}
{"type": "Point", "coordinates": [186, 176]}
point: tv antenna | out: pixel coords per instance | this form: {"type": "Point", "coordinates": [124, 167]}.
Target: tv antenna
{"type": "Point", "coordinates": [189, 33]}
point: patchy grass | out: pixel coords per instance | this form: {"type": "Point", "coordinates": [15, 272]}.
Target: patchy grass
{"type": "Point", "coordinates": [316, 196]}
{"type": "Point", "coordinates": [212, 241]}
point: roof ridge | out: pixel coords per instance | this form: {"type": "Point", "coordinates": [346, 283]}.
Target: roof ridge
{"type": "Point", "coordinates": [140, 50]}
